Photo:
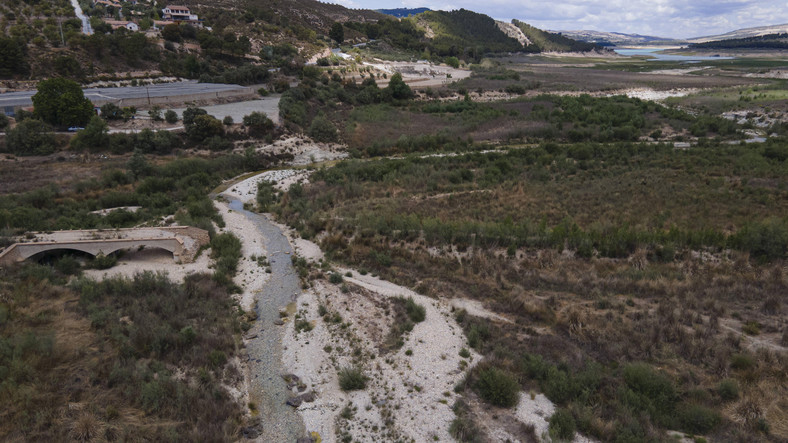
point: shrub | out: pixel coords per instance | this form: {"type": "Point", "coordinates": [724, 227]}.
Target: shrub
{"type": "Point", "coordinates": [102, 261]}
{"type": "Point", "coordinates": [217, 358]}
{"type": "Point", "coordinates": [728, 389]}
{"type": "Point", "coordinates": [258, 124]}
{"type": "Point", "coordinates": [335, 278]}
{"type": "Point", "coordinates": [497, 387]}
{"type": "Point", "coordinates": [31, 137]}
{"type": "Point", "coordinates": [698, 419]}
{"type": "Point", "coordinates": [322, 130]}
{"type": "Point", "coordinates": [742, 362]}
{"type": "Point", "coordinates": [562, 425]}
{"type": "Point", "coordinates": [67, 265]}
{"type": "Point", "coordinates": [351, 378]}
{"type": "Point", "coordinates": [751, 328]}
{"type": "Point", "coordinates": [171, 116]}
{"type": "Point", "coordinates": [416, 312]}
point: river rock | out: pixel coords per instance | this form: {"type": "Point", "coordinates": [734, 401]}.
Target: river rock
{"type": "Point", "coordinates": [294, 401]}
{"type": "Point", "coordinates": [253, 430]}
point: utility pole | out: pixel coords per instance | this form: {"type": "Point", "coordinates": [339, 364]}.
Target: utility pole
{"type": "Point", "coordinates": [60, 26]}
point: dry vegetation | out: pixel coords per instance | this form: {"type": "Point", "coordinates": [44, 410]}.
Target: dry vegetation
{"type": "Point", "coordinates": [636, 304]}
{"type": "Point", "coordinates": [97, 361]}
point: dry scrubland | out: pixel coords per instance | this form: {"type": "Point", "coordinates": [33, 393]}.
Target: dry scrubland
{"type": "Point", "coordinates": [504, 258]}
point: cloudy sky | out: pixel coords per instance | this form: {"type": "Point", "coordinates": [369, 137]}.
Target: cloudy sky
{"type": "Point", "coordinates": [663, 18]}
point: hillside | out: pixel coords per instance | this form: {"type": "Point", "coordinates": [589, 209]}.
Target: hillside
{"type": "Point", "coordinates": [771, 41]}
{"type": "Point", "coordinates": [548, 41]}
{"type": "Point", "coordinates": [236, 42]}
{"type": "Point", "coordinates": [759, 31]}
{"type": "Point", "coordinates": [463, 33]}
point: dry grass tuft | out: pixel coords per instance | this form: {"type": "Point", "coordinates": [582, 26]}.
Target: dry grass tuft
{"type": "Point", "coordinates": [85, 428]}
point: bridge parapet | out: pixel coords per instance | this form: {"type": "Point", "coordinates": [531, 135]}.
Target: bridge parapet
{"type": "Point", "coordinates": [182, 241]}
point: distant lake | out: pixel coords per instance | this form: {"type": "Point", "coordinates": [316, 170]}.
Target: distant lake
{"type": "Point", "coordinates": [659, 56]}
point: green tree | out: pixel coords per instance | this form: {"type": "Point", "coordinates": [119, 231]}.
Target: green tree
{"type": "Point", "coordinates": [171, 32]}
{"type": "Point", "coordinates": [322, 130]}
{"type": "Point", "coordinates": [3, 122]}
{"type": "Point", "coordinates": [61, 103]}
{"type": "Point", "coordinates": [111, 111]}
{"type": "Point", "coordinates": [31, 137]}
{"type": "Point", "coordinates": [190, 113]}
{"type": "Point", "coordinates": [397, 88]}
{"type": "Point", "coordinates": [138, 165]}
{"type": "Point", "coordinates": [452, 61]}
{"type": "Point", "coordinates": [155, 113]}
{"type": "Point", "coordinates": [12, 58]}
{"type": "Point", "coordinates": [204, 127]}
{"type": "Point", "coordinates": [258, 124]}
{"type": "Point", "coordinates": [171, 116]}
{"type": "Point", "coordinates": [93, 138]}
{"type": "Point", "coordinates": [68, 66]}
{"type": "Point", "coordinates": [337, 33]}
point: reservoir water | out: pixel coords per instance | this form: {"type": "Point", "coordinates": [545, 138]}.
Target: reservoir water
{"type": "Point", "coordinates": [656, 54]}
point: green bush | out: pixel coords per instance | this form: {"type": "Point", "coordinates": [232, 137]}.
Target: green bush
{"type": "Point", "coordinates": [497, 387]}
{"type": "Point", "coordinates": [562, 425]}
{"type": "Point", "coordinates": [217, 358]}
{"type": "Point", "coordinates": [416, 312]}
{"type": "Point", "coordinates": [728, 389]}
{"type": "Point", "coordinates": [698, 419]}
{"type": "Point", "coordinates": [351, 378]}
{"type": "Point", "coordinates": [170, 116]}
{"type": "Point", "coordinates": [335, 278]}
{"type": "Point", "coordinates": [102, 261]}
{"type": "Point", "coordinates": [742, 362]}
{"type": "Point", "coordinates": [322, 130]}
{"type": "Point", "coordinates": [31, 137]}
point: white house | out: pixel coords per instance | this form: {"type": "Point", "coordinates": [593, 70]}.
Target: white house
{"type": "Point", "coordinates": [131, 26]}
{"type": "Point", "coordinates": [179, 14]}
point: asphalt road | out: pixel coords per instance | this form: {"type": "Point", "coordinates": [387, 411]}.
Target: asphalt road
{"type": "Point", "coordinates": [23, 98]}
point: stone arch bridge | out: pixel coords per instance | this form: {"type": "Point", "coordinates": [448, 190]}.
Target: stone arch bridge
{"type": "Point", "coordinates": [182, 241]}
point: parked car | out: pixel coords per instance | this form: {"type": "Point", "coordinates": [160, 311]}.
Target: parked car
{"type": "Point", "coordinates": [75, 128]}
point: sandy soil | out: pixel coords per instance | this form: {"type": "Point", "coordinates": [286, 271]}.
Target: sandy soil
{"type": "Point", "coordinates": [154, 260]}
{"type": "Point", "coordinates": [250, 276]}
{"type": "Point", "coordinates": [304, 150]}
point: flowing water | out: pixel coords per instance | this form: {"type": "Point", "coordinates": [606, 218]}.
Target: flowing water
{"type": "Point", "coordinates": [281, 423]}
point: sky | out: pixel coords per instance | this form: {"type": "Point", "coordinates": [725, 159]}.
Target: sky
{"type": "Point", "coordinates": [661, 18]}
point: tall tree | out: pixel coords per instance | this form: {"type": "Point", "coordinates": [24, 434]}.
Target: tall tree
{"type": "Point", "coordinates": [337, 33]}
{"type": "Point", "coordinates": [12, 58]}
{"type": "Point", "coordinates": [61, 103]}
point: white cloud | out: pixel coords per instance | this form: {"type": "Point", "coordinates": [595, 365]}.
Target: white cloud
{"type": "Point", "coordinates": [667, 18]}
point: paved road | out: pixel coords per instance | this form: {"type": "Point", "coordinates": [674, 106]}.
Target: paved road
{"type": "Point", "coordinates": [23, 98]}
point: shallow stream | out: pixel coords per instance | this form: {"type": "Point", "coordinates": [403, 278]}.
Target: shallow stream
{"type": "Point", "coordinates": [280, 422]}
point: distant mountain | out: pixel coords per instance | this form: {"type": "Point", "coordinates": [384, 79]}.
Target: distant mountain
{"type": "Point", "coordinates": [743, 33]}
{"type": "Point", "coordinates": [403, 12]}
{"type": "Point", "coordinates": [764, 42]}
{"type": "Point", "coordinates": [613, 38]}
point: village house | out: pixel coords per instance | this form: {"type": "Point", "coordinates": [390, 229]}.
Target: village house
{"type": "Point", "coordinates": [116, 24]}
{"type": "Point", "coordinates": [108, 3]}
{"type": "Point", "coordinates": [178, 14]}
